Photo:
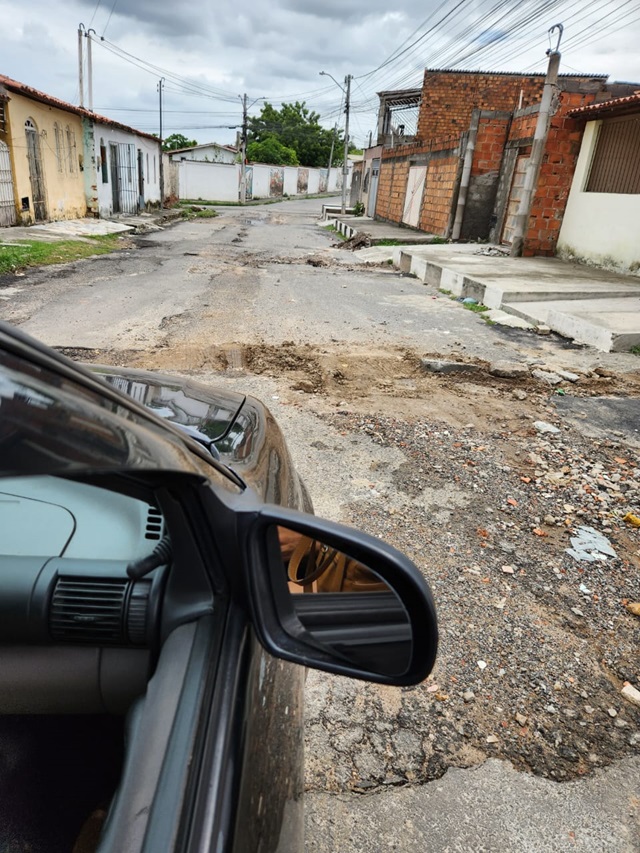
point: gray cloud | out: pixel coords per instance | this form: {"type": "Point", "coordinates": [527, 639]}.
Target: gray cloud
{"type": "Point", "coordinates": [272, 47]}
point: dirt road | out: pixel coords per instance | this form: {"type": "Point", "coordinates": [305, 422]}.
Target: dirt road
{"type": "Point", "coordinates": [483, 479]}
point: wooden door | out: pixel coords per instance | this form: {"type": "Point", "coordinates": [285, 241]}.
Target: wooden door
{"type": "Point", "coordinates": [36, 171]}
{"type": "Point", "coordinates": [413, 198]}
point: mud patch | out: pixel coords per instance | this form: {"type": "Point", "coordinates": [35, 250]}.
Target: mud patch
{"type": "Point", "coordinates": [301, 362]}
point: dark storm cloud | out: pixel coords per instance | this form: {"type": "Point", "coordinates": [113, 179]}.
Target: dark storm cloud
{"type": "Point", "coordinates": [160, 16]}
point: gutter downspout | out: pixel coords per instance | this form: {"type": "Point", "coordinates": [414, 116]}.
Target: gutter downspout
{"type": "Point", "coordinates": [465, 180]}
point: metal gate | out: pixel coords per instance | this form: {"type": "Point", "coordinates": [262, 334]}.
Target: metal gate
{"type": "Point", "coordinates": [373, 188]}
{"type": "Point", "coordinates": [140, 180]}
{"type": "Point", "coordinates": [36, 172]}
{"type": "Point", "coordinates": [124, 180]}
{"type": "Point", "coordinates": [7, 201]}
{"type": "Point", "coordinates": [413, 198]}
{"type": "Point", "coordinates": [515, 196]}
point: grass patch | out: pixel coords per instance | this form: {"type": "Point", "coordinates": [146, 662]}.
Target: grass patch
{"type": "Point", "coordinates": [196, 212]}
{"type": "Point", "coordinates": [445, 291]}
{"type": "Point", "coordinates": [635, 350]}
{"type": "Point", "coordinates": [333, 230]}
{"type": "Point", "coordinates": [33, 253]}
{"type": "Point", "coordinates": [476, 307]}
{"type": "Point", "coordinates": [389, 242]}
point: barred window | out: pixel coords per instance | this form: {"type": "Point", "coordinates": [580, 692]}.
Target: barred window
{"type": "Point", "coordinates": [615, 167]}
{"type": "Point", "coordinates": [3, 116]}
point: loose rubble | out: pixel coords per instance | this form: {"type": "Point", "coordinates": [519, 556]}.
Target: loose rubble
{"type": "Point", "coordinates": [535, 644]}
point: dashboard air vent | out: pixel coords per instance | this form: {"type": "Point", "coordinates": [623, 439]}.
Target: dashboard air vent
{"type": "Point", "coordinates": [153, 528]}
{"type": "Point", "coordinates": [88, 609]}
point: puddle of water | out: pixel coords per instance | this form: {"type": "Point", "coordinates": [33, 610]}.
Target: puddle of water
{"type": "Point", "coordinates": [253, 221]}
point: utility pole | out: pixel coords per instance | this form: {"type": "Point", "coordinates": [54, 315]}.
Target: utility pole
{"type": "Point", "coordinates": [243, 152]}
{"type": "Point", "coordinates": [333, 141]}
{"type": "Point", "coordinates": [537, 147]}
{"type": "Point", "coordinates": [80, 69]}
{"type": "Point", "coordinates": [89, 71]}
{"type": "Point", "coordinates": [160, 87]}
{"type": "Point", "coordinates": [345, 166]}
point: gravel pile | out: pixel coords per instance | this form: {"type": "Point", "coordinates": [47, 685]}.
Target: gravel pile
{"type": "Point", "coordinates": [535, 644]}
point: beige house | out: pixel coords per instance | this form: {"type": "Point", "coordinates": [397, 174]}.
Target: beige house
{"type": "Point", "coordinates": [42, 141]}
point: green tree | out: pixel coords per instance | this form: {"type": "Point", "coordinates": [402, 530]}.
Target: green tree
{"type": "Point", "coordinates": [177, 140]}
{"type": "Point", "coordinates": [296, 127]}
{"type": "Point", "coordinates": [271, 151]}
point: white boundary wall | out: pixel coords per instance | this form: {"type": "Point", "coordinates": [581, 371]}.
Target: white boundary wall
{"type": "Point", "coordinates": [221, 181]}
{"type": "Point", "coordinates": [208, 181]}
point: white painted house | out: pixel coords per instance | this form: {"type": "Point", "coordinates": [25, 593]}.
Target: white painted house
{"type": "Point", "coordinates": [127, 167]}
{"type": "Point", "coordinates": [208, 152]}
{"type": "Point", "coordinates": [601, 223]}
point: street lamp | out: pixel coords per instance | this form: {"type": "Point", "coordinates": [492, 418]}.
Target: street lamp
{"type": "Point", "coordinates": [347, 95]}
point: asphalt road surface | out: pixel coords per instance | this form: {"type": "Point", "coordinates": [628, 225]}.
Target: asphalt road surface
{"type": "Point", "coordinates": [520, 740]}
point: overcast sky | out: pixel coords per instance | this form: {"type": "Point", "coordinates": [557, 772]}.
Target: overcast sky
{"type": "Point", "coordinates": [215, 50]}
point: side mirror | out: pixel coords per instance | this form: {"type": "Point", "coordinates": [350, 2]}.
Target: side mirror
{"type": "Point", "coordinates": [332, 598]}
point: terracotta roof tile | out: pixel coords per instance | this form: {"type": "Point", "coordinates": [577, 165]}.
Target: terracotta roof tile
{"type": "Point", "coordinates": [36, 95]}
{"type": "Point", "coordinates": [612, 105]}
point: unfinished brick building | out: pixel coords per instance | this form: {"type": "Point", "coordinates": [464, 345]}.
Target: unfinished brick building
{"type": "Point", "coordinates": [482, 125]}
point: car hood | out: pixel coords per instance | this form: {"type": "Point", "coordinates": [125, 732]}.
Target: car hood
{"type": "Point", "coordinates": [205, 412]}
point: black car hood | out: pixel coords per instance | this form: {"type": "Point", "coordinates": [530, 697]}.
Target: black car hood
{"type": "Point", "coordinates": [206, 413]}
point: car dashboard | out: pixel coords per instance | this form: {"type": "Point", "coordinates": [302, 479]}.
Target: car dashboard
{"type": "Point", "coordinates": [77, 633]}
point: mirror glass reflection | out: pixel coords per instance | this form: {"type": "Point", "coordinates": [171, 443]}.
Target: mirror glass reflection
{"type": "Point", "coordinates": [344, 606]}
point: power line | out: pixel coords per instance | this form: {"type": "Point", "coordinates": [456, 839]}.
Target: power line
{"type": "Point", "coordinates": [115, 3]}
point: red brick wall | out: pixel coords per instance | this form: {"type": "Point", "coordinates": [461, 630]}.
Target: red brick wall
{"type": "Point", "coordinates": [492, 132]}
{"type": "Point", "coordinates": [394, 174]}
{"type": "Point", "coordinates": [555, 176]}
{"type": "Point", "coordinates": [523, 127]}
{"type": "Point", "coordinates": [438, 195]}
{"type": "Point", "coordinates": [449, 98]}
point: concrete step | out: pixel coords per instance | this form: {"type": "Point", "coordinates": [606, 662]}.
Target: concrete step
{"type": "Point", "coordinates": [608, 324]}
{"type": "Point", "coordinates": [590, 305]}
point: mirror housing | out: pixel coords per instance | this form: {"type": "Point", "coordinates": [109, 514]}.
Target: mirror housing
{"type": "Point", "coordinates": [277, 616]}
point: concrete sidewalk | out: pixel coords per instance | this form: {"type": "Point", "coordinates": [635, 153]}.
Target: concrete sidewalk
{"type": "Point", "coordinates": [350, 226]}
{"type": "Point", "coordinates": [589, 305]}
{"type": "Point", "coordinates": [79, 229]}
